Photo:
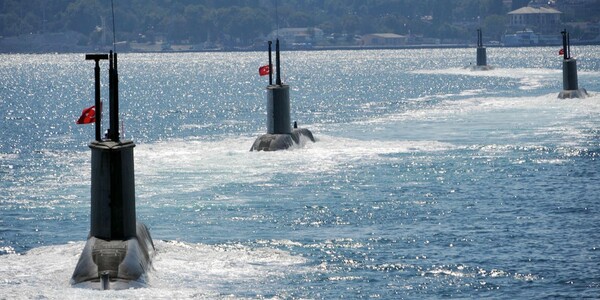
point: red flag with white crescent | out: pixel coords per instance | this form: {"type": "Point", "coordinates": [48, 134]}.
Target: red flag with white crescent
{"type": "Point", "coordinates": [88, 115]}
{"type": "Point", "coordinates": [264, 70]}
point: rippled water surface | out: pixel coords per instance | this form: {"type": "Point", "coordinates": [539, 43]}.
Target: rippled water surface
{"type": "Point", "coordinates": [427, 180]}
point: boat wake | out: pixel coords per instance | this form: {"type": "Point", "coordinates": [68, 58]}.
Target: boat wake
{"type": "Point", "coordinates": [180, 270]}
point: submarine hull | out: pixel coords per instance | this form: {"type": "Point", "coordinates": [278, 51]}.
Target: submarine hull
{"type": "Point", "coordinates": [482, 68]}
{"type": "Point", "coordinates": [569, 94]}
{"type": "Point", "coordinates": [274, 142]}
{"type": "Point", "coordinates": [298, 135]}
{"type": "Point", "coordinates": [115, 264]}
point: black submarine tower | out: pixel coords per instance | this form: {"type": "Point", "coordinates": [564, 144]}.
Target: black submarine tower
{"type": "Point", "coordinates": [118, 252]}
{"type": "Point", "coordinates": [570, 85]}
{"type": "Point", "coordinates": [481, 54]}
{"type": "Point", "coordinates": [280, 134]}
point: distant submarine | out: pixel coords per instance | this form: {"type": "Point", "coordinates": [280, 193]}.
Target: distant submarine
{"type": "Point", "coordinates": [481, 55]}
{"type": "Point", "coordinates": [570, 84]}
{"type": "Point", "coordinates": [279, 134]}
{"type": "Point", "coordinates": [119, 250]}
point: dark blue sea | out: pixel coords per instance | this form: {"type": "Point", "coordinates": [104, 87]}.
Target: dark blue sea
{"type": "Point", "coordinates": [427, 180]}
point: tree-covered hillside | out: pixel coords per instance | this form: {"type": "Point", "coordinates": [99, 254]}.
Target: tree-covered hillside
{"type": "Point", "coordinates": [243, 21]}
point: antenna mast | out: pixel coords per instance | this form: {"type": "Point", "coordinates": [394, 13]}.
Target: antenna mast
{"type": "Point", "coordinates": [112, 6]}
{"type": "Point", "coordinates": [277, 18]}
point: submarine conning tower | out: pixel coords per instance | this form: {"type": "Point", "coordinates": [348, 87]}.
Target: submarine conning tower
{"type": "Point", "coordinates": [118, 252]}
{"type": "Point", "coordinates": [481, 54]}
{"type": "Point", "coordinates": [280, 134]}
{"type": "Point", "coordinates": [570, 85]}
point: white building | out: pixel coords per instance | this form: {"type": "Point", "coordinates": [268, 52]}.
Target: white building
{"type": "Point", "coordinates": [539, 19]}
{"type": "Point", "coordinates": [384, 39]}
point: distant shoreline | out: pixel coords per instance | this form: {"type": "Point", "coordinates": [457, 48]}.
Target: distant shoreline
{"type": "Point", "coordinates": [67, 49]}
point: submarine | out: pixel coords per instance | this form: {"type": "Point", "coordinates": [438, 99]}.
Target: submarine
{"type": "Point", "coordinates": [570, 85]}
{"type": "Point", "coordinates": [280, 134]}
{"type": "Point", "coordinates": [481, 55]}
{"type": "Point", "coordinates": [119, 249]}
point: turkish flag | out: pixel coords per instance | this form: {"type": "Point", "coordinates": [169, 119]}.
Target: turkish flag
{"type": "Point", "coordinates": [264, 70]}
{"type": "Point", "coordinates": [561, 52]}
{"type": "Point", "coordinates": [88, 115]}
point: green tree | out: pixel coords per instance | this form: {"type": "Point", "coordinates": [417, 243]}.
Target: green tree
{"type": "Point", "coordinates": [494, 26]}
{"type": "Point", "coordinates": [83, 16]}
{"type": "Point", "coordinates": [516, 4]}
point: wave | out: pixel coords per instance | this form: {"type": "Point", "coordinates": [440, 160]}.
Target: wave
{"type": "Point", "coordinates": [528, 79]}
{"type": "Point", "coordinates": [200, 164]}
{"type": "Point", "coordinates": [481, 105]}
{"type": "Point", "coordinates": [180, 270]}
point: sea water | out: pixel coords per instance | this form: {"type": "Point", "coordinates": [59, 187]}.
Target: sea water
{"type": "Point", "coordinates": [427, 180]}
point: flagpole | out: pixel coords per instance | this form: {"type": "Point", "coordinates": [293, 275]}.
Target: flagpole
{"type": "Point", "coordinates": [97, 101]}
{"type": "Point", "coordinates": [270, 65]}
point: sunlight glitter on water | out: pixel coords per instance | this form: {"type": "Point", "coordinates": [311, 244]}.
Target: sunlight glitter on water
{"type": "Point", "coordinates": [427, 180]}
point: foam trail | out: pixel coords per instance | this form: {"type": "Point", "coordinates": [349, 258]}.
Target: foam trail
{"type": "Point", "coordinates": [181, 270]}
{"type": "Point", "coordinates": [529, 79]}
{"type": "Point", "coordinates": [230, 161]}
